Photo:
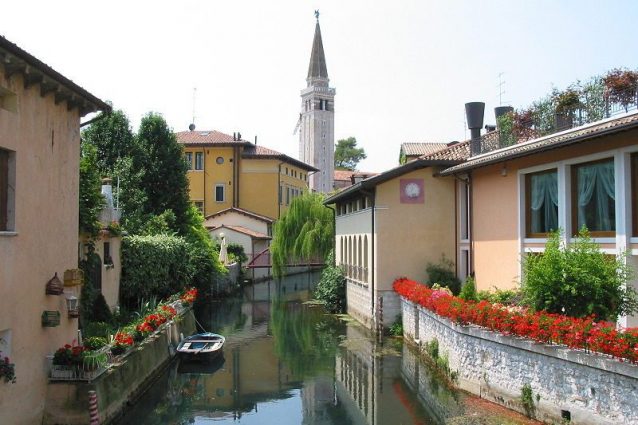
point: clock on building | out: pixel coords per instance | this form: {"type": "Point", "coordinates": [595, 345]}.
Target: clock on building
{"type": "Point", "coordinates": [411, 191]}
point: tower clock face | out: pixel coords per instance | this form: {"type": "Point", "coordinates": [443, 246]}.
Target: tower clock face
{"type": "Point", "coordinates": [412, 190]}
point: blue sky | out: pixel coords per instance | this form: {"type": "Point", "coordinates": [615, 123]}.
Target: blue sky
{"type": "Point", "coordinates": [403, 70]}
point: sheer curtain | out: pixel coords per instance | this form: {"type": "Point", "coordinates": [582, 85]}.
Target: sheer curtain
{"type": "Point", "coordinates": [544, 202]}
{"type": "Point", "coordinates": [596, 196]}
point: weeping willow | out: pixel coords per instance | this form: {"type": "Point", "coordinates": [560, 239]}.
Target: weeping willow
{"type": "Point", "coordinates": [303, 232]}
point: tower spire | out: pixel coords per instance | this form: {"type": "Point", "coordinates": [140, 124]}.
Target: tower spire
{"type": "Point", "coordinates": [317, 70]}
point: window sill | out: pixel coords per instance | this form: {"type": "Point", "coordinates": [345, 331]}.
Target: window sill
{"type": "Point", "coordinates": [8, 233]}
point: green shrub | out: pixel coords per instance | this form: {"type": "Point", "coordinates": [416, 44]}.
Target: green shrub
{"type": "Point", "coordinates": [95, 342]}
{"type": "Point", "coordinates": [331, 289]}
{"type": "Point", "coordinates": [501, 296]}
{"type": "Point", "coordinates": [432, 348]}
{"type": "Point", "coordinates": [468, 291]}
{"type": "Point", "coordinates": [527, 400]}
{"type": "Point", "coordinates": [238, 251]}
{"type": "Point", "coordinates": [154, 266]}
{"type": "Point", "coordinates": [396, 329]}
{"type": "Point", "coordinates": [578, 280]}
{"type": "Point", "coordinates": [101, 311]}
{"type": "Point", "coordinates": [100, 329]}
{"type": "Point", "coordinates": [443, 273]}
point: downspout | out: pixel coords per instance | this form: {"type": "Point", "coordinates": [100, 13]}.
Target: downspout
{"type": "Point", "coordinates": [280, 196]}
{"type": "Point", "coordinates": [235, 177]}
{"type": "Point", "coordinates": [204, 171]}
{"type": "Point", "coordinates": [470, 213]}
{"type": "Point", "coordinates": [334, 235]}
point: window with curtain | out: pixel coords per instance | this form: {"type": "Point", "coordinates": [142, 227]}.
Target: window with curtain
{"type": "Point", "coordinates": [542, 203]}
{"type": "Point", "coordinates": [594, 198]}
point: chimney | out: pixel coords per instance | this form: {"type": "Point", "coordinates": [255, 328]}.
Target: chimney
{"type": "Point", "coordinates": [474, 112]}
{"type": "Point", "coordinates": [499, 111]}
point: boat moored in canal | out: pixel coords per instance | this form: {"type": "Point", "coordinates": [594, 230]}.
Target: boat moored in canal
{"type": "Point", "coordinates": [203, 346]}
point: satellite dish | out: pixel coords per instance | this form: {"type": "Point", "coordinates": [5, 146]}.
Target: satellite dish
{"type": "Point", "coordinates": [191, 127]}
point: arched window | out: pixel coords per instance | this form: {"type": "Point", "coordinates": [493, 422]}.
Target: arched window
{"type": "Point", "coordinates": [349, 256]}
{"type": "Point", "coordinates": [359, 259]}
{"type": "Point", "coordinates": [365, 258]}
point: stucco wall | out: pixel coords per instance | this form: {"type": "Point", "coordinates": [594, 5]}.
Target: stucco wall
{"type": "Point", "coordinates": [46, 140]}
{"type": "Point", "coordinates": [594, 389]}
{"type": "Point", "coordinates": [496, 226]}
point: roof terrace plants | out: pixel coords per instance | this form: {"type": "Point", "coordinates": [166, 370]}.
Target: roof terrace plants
{"type": "Point", "coordinates": [621, 86]}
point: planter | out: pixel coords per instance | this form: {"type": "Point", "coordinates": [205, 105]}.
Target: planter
{"type": "Point", "coordinates": [63, 373]}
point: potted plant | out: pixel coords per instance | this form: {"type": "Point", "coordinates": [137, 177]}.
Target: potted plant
{"type": "Point", "coordinates": [67, 361]}
{"type": "Point", "coordinates": [7, 369]}
{"type": "Point", "coordinates": [566, 104]}
{"type": "Point", "coordinates": [122, 342]}
{"type": "Point", "coordinates": [621, 86]}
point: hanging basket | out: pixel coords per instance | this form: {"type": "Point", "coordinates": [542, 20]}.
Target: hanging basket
{"type": "Point", "coordinates": [73, 277]}
{"type": "Point", "coordinates": [54, 286]}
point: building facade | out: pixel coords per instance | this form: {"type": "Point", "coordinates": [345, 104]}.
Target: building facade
{"type": "Point", "coordinates": [40, 113]}
{"type": "Point", "coordinates": [316, 119]}
{"type": "Point", "coordinates": [225, 171]}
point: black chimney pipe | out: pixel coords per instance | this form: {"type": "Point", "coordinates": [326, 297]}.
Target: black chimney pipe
{"type": "Point", "coordinates": [499, 111]}
{"type": "Point", "coordinates": [474, 112]}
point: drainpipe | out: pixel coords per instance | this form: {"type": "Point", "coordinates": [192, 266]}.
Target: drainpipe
{"type": "Point", "coordinates": [280, 198]}
{"type": "Point", "coordinates": [470, 213]}
{"type": "Point", "coordinates": [334, 235]}
{"type": "Point", "coordinates": [235, 177]}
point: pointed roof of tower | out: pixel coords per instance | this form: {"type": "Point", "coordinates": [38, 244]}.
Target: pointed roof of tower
{"type": "Point", "coordinates": [317, 68]}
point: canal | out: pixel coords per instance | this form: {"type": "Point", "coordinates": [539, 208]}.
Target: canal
{"type": "Point", "coordinates": [286, 362]}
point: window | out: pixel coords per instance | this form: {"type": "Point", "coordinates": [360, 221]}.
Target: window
{"type": "Point", "coordinates": [7, 190]}
{"type": "Point", "coordinates": [287, 195]}
{"type": "Point", "coordinates": [199, 160]}
{"type": "Point", "coordinates": [200, 206]}
{"type": "Point", "coordinates": [281, 198]}
{"type": "Point", "coordinates": [219, 160]}
{"type": "Point", "coordinates": [464, 210]}
{"type": "Point", "coordinates": [634, 192]}
{"type": "Point", "coordinates": [219, 192]}
{"type": "Point", "coordinates": [189, 160]}
{"type": "Point", "coordinates": [594, 197]}
{"type": "Point", "coordinates": [108, 261]}
{"type": "Point", "coordinates": [541, 203]}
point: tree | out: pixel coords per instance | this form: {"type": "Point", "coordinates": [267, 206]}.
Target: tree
{"type": "Point", "coordinates": [303, 232]}
{"type": "Point", "coordinates": [91, 200]}
{"type": "Point", "coordinates": [347, 154]}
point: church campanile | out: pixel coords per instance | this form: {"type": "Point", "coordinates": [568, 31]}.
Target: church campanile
{"type": "Point", "coordinates": [316, 125]}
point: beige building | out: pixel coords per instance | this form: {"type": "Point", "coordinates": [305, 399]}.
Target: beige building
{"type": "Point", "coordinates": [40, 113]}
{"type": "Point", "coordinates": [510, 198]}
{"type": "Point", "coordinates": [393, 225]}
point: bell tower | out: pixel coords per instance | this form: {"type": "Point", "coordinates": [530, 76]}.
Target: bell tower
{"type": "Point", "coordinates": [316, 120]}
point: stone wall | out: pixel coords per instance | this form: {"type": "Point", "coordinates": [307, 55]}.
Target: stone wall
{"type": "Point", "coordinates": [590, 388]}
{"type": "Point", "coordinates": [67, 402]}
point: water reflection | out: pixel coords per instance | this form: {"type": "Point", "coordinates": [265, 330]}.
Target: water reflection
{"type": "Point", "coordinates": [286, 362]}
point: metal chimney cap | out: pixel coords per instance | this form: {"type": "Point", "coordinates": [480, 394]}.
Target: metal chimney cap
{"type": "Point", "coordinates": [499, 111]}
{"type": "Point", "coordinates": [474, 112]}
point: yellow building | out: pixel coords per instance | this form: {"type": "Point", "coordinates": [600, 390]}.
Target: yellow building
{"type": "Point", "coordinates": [226, 171]}
{"type": "Point", "coordinates": [40, 113]}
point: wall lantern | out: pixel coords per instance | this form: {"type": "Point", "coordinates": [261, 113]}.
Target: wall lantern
{"type": "Point", "coordinates": [50, 319]}
{"type": "Point", "coordinates": [54, 286]}
{"type": "Point", "coordinates": [72, 306]}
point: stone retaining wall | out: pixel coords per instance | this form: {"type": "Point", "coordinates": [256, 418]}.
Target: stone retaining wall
{"type": "Point", "coordinates": [590, 388]}
{"type": "Point", "coordinates": [67, 402]}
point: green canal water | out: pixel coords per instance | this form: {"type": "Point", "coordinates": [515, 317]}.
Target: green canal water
{"type": "Point", "coordinates": [286, 362]}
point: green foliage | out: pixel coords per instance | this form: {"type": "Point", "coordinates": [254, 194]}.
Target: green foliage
{"type": "Point", "coordinates": [237, 250]}
{"type": "Point", "coordinates": [91, 266]}
{"type": "Point", "coordinates": [396, 329]}
{"type": "Point", "coordinates": [97, 329]}
{"type": "Point", "coordinates": [347, 155]}
{"type": "Point", "coordinates": [162, 224]}
{"type": "Point", "coordinates": [331, 288]}
{"type": "Point", "coordinates": [432, 348]}
{"type": "Point", "coordinates": [94, 342]}
{"type": "Point", "coordinates": [153, 266]}
{"type": "Point", "coordinates": [527, 400]}
{"type": "Point", "coordinates": [443, 274]}
{"type": "Point", "coordinates": [468, 291]}
{"type": "Point", "coordinates": [578, 280]}
{"type": "Point", "coordinates": [501, 296]}
{"type": "Point", "coordinates": [505, 124]}
{"type": "Point", "coordinates": [91, 199]}
{"type": "Point", "coordinates": [593, 93]}
{"type": "Point", "coordinates": [304, 231]}
{"type": "Point", "coordinates": [101, 311]}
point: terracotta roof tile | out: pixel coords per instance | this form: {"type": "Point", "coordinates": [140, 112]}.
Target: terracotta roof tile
{"type": "Point", "coordinates": [457, 152]}
{"type": "Point", "coordinates": [206, 137]}
{"type": "Point", "coordinates": [418, 149]}
{"type": "Point", "coordinates": [243, 230]}
{"type": "Point", "coordinates": [243, 212]}
{"type": "Point", "coordinates": [262, 152]}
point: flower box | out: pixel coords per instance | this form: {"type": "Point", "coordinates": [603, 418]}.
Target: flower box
{"type": "Point", "coordinates": [64, 373]}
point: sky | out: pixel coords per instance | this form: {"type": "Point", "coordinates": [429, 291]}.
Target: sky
{"type": "Point", "coordinates": [403, 70]}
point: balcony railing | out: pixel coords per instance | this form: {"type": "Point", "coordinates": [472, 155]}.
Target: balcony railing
{"type": "Point", "coordinates": [544, 118]}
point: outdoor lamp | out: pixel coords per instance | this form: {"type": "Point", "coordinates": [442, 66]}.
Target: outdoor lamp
{"type": "Point", "coordinates": [72, 305]}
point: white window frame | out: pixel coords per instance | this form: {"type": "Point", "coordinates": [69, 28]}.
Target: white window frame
{"type": "Point", "coordinates": [201, 156]}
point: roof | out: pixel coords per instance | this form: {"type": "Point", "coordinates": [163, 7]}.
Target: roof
{"type": "Point", "coordinates": [344, 175]}
{"type": "Point", "coordinates": [15, 60]}
{"type": "Point", "coordinates": [424, 148]}
{"type": "Point", "coordinates": [317, 68]}
{"type": "Point", "coordinates": [456, 152]}
{"type": "Point", "coordinates": [371, 182]}
{"type": "Point", "coordinates": [243, 212]}
{"type": "Point", "coordinates": [240, 229]}
{"type": "Point", "coordinates": [207, 138]}
{"type": "Point", "coordinates": [553, 141]}
{"type": "Point", "coordinates": [261, 152]}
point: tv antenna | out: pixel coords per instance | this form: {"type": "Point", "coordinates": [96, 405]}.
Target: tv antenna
{"type": "Point", "coordinates": [191, 127]}
{"type": "Point", "coordinates": [501, 88]}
